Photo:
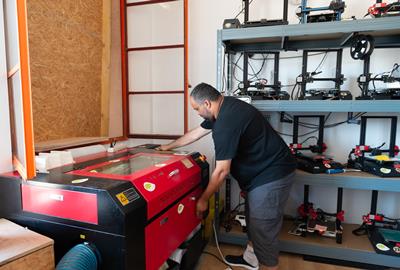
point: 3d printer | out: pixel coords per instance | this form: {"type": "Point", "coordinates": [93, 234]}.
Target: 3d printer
{"type": "Point", "coordinates": [322, 93]}
{"type": "Point", "coordinates": [235, 23]}
{"type": "Point", "coordinates": [316, 220]}
{"type": "Point", "coordinates": [259, 88]}
{"type": "Point", "coordinates": [391, 77]}
{"type": "Point", "coordinates": [372, 159]}
{"type": "Point", "coordinates": [383, 9]}
{"type": "Point", "coordinates": [383, 232]}
{"type": "Point", "coordinates": [316, 163]}
{"type": "Point", "coordinates": [335, 10]}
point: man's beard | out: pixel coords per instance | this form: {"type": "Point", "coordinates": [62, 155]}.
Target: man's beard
{"type": "Point", "coordinates": [209, 117]}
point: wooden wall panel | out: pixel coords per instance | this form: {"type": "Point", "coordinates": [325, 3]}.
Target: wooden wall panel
{"type": "Point", "coordinates": [65, 44]}
{"type": "Point", "coordinates": [116, 118]}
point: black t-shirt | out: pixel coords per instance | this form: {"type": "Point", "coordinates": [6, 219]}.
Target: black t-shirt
{"type": "Point", "coordinates": [258, 153]}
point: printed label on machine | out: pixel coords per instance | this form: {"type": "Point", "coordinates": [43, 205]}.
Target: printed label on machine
{"type": "Point", "coordinates": [187, 163]}
{"type": "Point", "coordinates": [149, 186]}
{"type": "Point", "coordinates": [382, 247]}
{"type": "Point", "coordinates": [127, 196]}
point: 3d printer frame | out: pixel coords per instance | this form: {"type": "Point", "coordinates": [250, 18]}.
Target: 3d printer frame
{"type": "Point", "coordinates": [258, 90]}
{"type": "Point", "coordinates": [365, 79]}
{"type": "Point", "coordinates": [309, 77]}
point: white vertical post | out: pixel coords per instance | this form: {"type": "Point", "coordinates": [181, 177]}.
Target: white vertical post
{"type": "Point", "coordinates": [5, 134]}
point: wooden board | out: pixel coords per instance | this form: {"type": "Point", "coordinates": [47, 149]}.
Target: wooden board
{"type": "Point", "coordinates": [17, 242]}
{"type": "Point", "coordinates": [116, 118]}
{"type": "Point", "coordinates": [66, 51]}
{"type": "Point", "coordinates": [67, 143]}
{"type": "Point", "coordinates": [42, 259]}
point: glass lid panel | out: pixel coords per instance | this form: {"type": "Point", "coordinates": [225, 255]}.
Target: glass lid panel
{"type": "Point", "coordinates": [129, 166]}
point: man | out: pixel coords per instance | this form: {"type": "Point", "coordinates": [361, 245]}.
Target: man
{"type": "Point", "coordinates": [247, 147]}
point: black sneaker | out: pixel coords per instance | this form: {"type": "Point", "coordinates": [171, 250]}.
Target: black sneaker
{"type": "Point", "coordinates": [239, 261]}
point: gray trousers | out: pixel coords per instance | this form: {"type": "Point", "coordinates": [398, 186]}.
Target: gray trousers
{"type": "Point", "coordinates": [264, 214]}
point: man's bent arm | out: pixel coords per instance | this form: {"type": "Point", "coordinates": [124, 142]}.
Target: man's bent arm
{"type": "Point", "coordinates": [218, 176]}
{"type": "Point", "coordinates": [190, 137]}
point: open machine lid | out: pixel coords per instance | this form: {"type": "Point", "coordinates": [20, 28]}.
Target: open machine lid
{"type": "Point", "coordinates": [132, 164]}
{"type": "Point", "coordinates": [128, 167]}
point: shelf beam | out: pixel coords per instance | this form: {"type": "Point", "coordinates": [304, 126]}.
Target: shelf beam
{"type": "Point", "coordinates": [328, 106]}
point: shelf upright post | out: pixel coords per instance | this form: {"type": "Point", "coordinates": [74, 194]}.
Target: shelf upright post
{"type": "Point", "coordinates": [304, 73]}
{"type": "Point", "coordinates": [303, 13]}
{"type": "Point", "coordinates": [366, 73]}
{"type": "Point", "coordinates": [246, 10]}
{"type": "Point", "coordinates": [338, 210]}
{"type": "Point", "coordinates": [246, 82]}
{"type": "Point", "coordinates": [276, 72]}
{"type": "Point", "coordinates": [338, 82]}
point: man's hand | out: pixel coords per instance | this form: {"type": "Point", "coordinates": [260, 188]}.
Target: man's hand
{"type": "Point", "coordinates": [201, 207]}
{"type": "Point", "coordinates": [163, 147]}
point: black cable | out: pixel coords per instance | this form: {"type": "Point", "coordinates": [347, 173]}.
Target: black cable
{"type": "Point", "coordinates": [291, 135]}
{"type": "Point", "coordinates": [264, 59]}
{"type": "Point", "coordinates": [238, 205]}
{"type": "Point", "coordinates": [311, 137]}
{"type": "Point", "coordinates": [321, 63]}
{"type": "Point", "coordinates": [395, 67]}
{"type": "Point", "coordinates": [314, 127]}
{"type": "Point", "coordinates": [310, 125]}
{"type": "Point", "coordinates": [241, 11]}
{"type": "Point", "coordinates": [373, 80]}
{"type": "Point", "coordinates": [298, 92]}
{"type": "Point", "coordinates": [215, 256]}
{"type": "Point", "coordinates": [255, 75]}
{"type": "Point", "coordinates": [390, 73]}
{"type": "Point", "coordinates": [291, 94]}
{"type": "Point", "coordinates": [235, 65]}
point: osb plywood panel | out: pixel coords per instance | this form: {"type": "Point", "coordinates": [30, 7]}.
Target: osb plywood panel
{"type": "Point", "coordinates": [42, 259]}
{"type": "Point", "coordinates": [17, 242]}
{"type": "Point", "coordinates": [65, 45]}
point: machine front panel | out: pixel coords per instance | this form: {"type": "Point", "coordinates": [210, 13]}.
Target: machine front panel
{"type": "Point", "coordinates": [164, 235]}
{"type": "Point", "coordinates": [66, 204]}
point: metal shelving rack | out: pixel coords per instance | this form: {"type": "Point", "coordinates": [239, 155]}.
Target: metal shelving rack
{"type": "Point", "coordinates": [327, 248]}
{"type": "Point", "coordinates": [327, 35]}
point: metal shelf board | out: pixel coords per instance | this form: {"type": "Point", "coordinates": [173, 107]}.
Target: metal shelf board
{"type": "Point", "coordinates": [328, 105]}
{"type": "Point", "coordinates": [375, 106]}
{"type": "Point", "coordinates": [350, 180]}
{"type": "Point", "coordinates": [304, 248]}
{"type": "Point", "coordinates": [387, 25]}
{"type": "Point", "coordinates": [353, 248]}
{"type": "Point", "coordinates": [339, 253]}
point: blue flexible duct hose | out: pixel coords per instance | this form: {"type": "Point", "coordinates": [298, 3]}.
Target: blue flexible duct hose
{"type": "Point", "coordinates": [80, 257]}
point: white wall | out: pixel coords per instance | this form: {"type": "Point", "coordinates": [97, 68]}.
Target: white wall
{"type": "Point", "coordinates": [206, 17]}
{"type": "Point", "coordinates": [5, 136]}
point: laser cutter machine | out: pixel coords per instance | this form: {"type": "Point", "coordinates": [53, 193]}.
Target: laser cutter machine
{"type": "Point", "coordinates": [135, 207]}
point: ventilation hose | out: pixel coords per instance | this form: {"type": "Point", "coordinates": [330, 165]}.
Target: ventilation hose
{"type": "Point", "coordinates": [81, 257]}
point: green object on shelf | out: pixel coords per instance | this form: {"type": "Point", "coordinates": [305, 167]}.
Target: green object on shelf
{"type": "Point", "coordinates": [390, 235]}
